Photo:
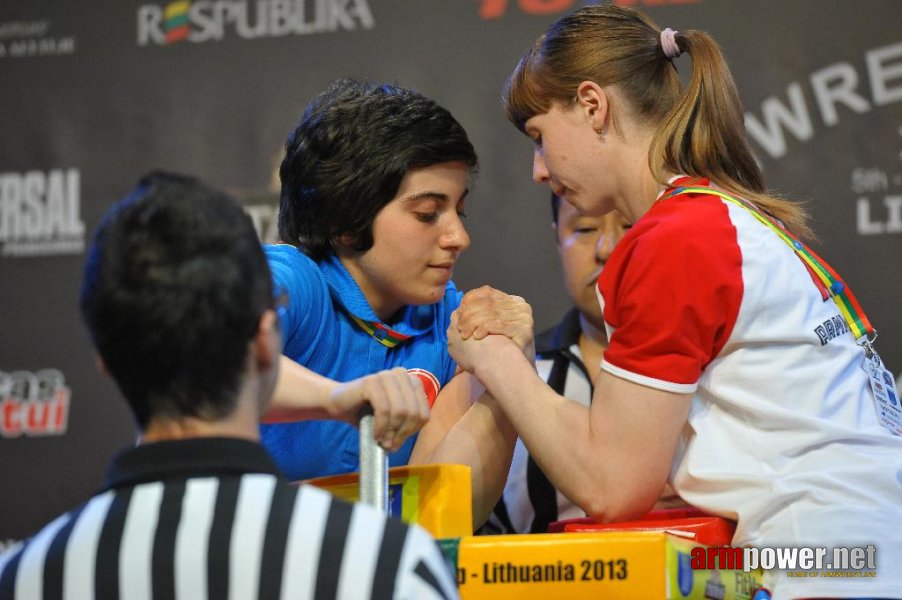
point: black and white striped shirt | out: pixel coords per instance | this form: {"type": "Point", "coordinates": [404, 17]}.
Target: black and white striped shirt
{"type": "Point", "coordinates": [211, 518]}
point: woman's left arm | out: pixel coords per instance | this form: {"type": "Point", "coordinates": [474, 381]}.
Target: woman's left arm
{"type": "Point", "coordinates": [467, 425]}
{"type": "Point", "coordinates": [613, 458]}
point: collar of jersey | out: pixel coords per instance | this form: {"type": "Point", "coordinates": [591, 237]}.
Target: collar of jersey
{"type": "Point", "coordinates": [193, 457]}
{"type": "Point", "coordinates": [414, 320]}
{"type": "Point", "coordinates": [681, 181]}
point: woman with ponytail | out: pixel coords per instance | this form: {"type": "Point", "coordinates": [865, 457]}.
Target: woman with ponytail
{"type": "Point", "coordinates": [740, 368]}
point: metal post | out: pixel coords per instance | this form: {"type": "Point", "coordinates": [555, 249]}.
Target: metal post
{"type": "Point", "coordinates": [373, 465]}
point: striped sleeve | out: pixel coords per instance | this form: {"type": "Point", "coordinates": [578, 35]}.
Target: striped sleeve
{"type": "Point", "coordinates": [361, 552]}
{"type": "Point", "coordinates": [9, 567]}
{"type": "Point", "coordinates": [23, 573]}
{"type": "Point", "coordinates": [423, 571]}
{"type": "Point", "coordinates": [60, 561]}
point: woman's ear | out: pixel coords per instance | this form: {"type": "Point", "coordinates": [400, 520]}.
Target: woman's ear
{"type": "Point", "coordinates": [594, 101]}
{"type": "Point", "coordinates": [343, 242]}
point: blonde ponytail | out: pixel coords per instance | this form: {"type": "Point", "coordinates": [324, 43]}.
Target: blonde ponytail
{"type": "Point", "coordinates": [704, 135]}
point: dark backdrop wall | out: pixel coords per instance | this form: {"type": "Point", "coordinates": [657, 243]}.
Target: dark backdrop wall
{"type": "Point", "coordinates": [93, 94]}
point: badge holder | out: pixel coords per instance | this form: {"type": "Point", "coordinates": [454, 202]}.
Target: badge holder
{"type": "Point", "coordinates": [886, 396]}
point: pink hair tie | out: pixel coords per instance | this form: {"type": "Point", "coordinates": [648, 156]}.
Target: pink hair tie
{"type": "Point", "coordinates": [668, 43]}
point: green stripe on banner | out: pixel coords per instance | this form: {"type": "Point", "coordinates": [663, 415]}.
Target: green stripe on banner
{"type": "Point", "coordinates": [177, 21]}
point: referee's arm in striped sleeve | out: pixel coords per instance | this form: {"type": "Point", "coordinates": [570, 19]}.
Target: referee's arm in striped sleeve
{"type": "Point", "coordinates": [423, 571]}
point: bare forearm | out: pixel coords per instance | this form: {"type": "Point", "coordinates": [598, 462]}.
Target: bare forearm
{"type": "Point", "coordinates": [554, 429]}
{"type": "Point", "coordinates": [484, 440]}
{"type": "Point", "coordinates": [300, 394]}
{"type": "Point", "coordinates": [493, 448]}
{"type": "Point", "coordinates": [468, 427]}
{"type": "Point", "coordinates": [612, 459]}
{"type": "Point", "coordinates": [396, 397]}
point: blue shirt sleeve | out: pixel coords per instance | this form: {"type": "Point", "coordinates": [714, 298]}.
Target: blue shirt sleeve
{"type": "Point", "coordinates": [299, 278]}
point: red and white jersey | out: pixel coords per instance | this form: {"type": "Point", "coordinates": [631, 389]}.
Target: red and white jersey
{"type": "Point", "coordinates": [699, 297]}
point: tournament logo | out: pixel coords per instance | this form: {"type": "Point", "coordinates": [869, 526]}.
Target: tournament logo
{"type": "Point", "coordinates": [34, 404]}
{"type": "Point", "coordinates": [430, 383]}
{"type": "Point", "coordinates": [40, 213]}
{"type": "Point", "coordinates": [176, 25]}
{"type": "Point", "coordinates": [214, 20]}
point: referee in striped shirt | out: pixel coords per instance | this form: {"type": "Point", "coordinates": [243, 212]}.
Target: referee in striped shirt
{"type": "Point", "coordinates": [178, 300]}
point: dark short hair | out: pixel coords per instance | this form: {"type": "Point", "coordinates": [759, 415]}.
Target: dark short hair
{"type": "Point", "coordinates": [174, 285]}
{"type": "Point", "coordinates": [347, 156]}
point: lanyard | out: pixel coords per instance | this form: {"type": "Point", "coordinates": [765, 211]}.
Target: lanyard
{"type": "Point", "coordinates": [842, 295]}
{"type": "Point", "coordinates": [382, 334]}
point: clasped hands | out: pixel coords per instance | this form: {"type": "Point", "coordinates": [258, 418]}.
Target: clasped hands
{"type": "Point", "coordinates": [486, 316]}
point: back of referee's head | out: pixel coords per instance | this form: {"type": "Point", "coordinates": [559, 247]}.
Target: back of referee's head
{"type": "Point", "coordinates": [175, 289]}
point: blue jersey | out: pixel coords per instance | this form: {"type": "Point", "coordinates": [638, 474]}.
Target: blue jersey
{"type": "Point", "coordinates": [319, 333]}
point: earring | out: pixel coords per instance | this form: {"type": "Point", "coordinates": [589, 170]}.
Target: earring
{"type": "Point", "coordinates": [601, 132]}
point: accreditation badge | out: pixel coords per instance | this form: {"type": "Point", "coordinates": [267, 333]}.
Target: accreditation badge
{"type": "Point", "coordinates": [886, 396]}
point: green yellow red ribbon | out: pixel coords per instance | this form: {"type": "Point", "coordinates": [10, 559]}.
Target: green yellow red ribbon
{"type": "Point", "coordinates": [842, 295]}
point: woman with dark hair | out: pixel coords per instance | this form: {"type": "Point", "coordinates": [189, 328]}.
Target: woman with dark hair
{"type": "Point", "coordinates": [739, 367]}
{"type": "Point", "coordinates": [374, 185]}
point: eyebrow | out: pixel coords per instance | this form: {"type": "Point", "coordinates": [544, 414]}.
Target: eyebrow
{"type": "Point", "coordinates": [427, 195]}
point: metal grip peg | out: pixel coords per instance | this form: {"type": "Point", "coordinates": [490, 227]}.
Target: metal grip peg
{"type": "Point", "coordinates": [373, 464]}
